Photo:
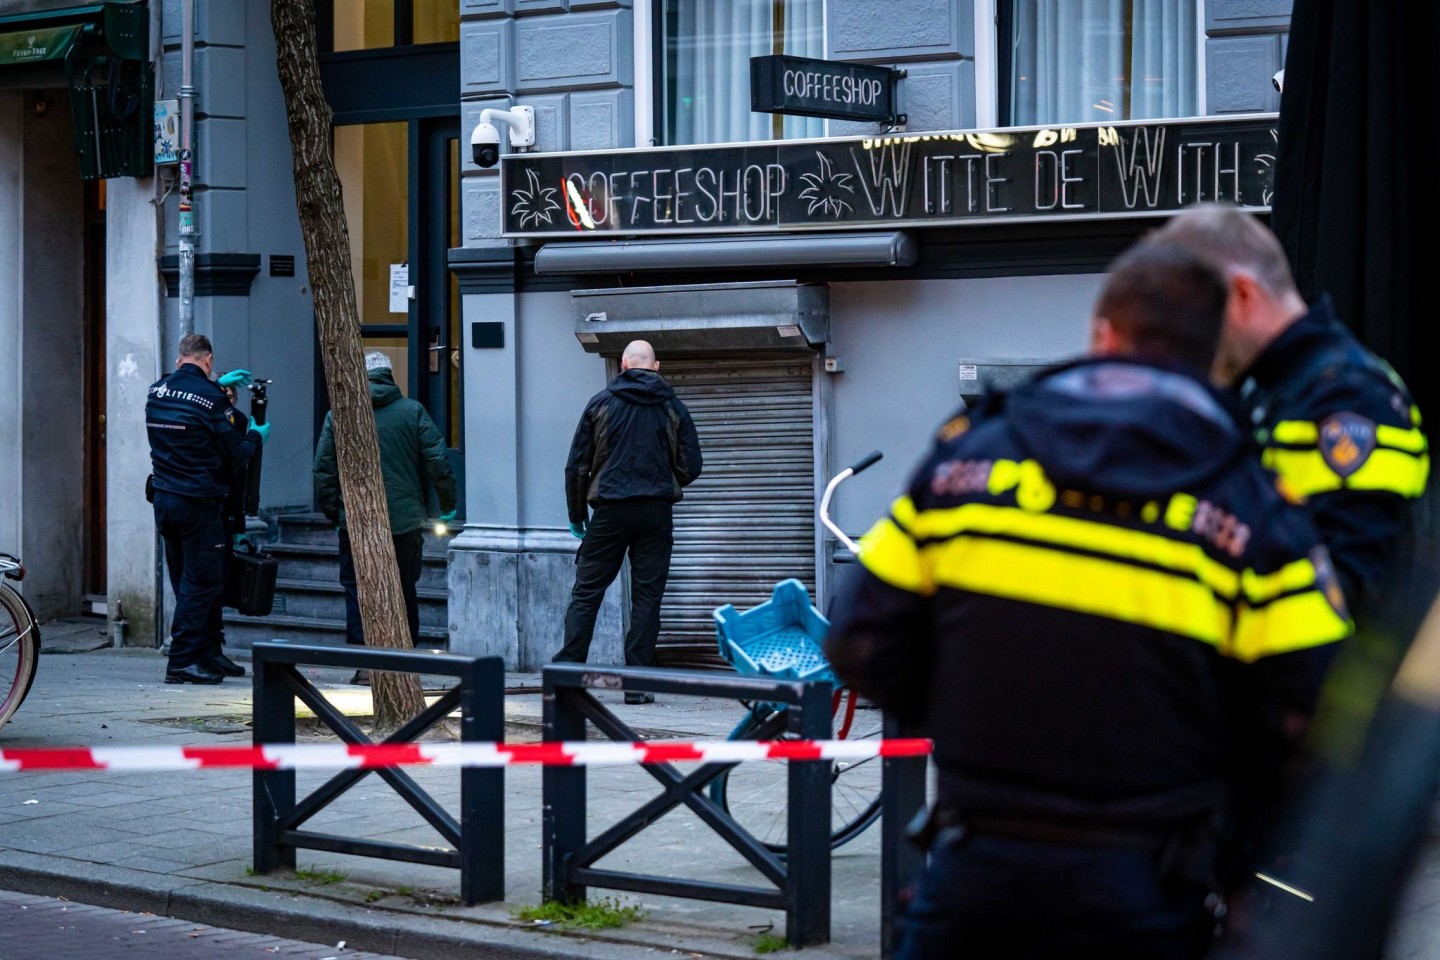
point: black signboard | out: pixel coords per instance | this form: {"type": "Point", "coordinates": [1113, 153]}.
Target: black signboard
{"type": "Point", "coordinates": [822, 88]}
{"type": "Point", "coordinates": [1120, 170]}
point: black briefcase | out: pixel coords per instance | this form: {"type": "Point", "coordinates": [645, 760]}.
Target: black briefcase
{"type": "Point", "coordinates": [250, 583]}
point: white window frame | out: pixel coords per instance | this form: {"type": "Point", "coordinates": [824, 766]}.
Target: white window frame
{"type": "Point", "coordinates": [643, 16]}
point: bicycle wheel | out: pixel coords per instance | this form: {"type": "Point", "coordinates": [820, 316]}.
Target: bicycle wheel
{"type": "Point", "coordinates": [756, 794]}
{"type": "Point", "coordinates": [19, 651]}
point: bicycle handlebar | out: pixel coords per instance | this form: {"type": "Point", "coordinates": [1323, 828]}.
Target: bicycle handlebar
{"type": "Point", "coordinates": [866, 462]}
{"type": "Point", "coordinates": [863, 463]}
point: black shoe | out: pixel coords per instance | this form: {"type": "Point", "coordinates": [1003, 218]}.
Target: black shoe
{"type": "Point", "coordinates": [222, 664]}
{"type": "Point", "coordinates": [195, 673]}
{"type": "Point", "coordinates": [634, 698]}
{"type": "Point", "coordinates": [361, 678]}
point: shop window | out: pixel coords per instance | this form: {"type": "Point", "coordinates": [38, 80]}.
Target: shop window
{"type": "Point", "coordinates": [1094, 61]}
{"type": "Point", "coordinates": [703, 66]}
{"type": "Point", "coordinates": [371, 24]}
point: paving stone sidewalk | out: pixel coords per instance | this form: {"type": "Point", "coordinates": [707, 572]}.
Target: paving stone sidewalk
{"type": "Point", "coordinates": [179, 844]}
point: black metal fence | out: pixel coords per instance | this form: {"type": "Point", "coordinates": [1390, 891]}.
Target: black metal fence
{"type": "Point", "coordinates": [902, 784]}
{"type": "Point", "coordinates": [477, 838]}
{"type": "Point", "coordinates": [800, 882]}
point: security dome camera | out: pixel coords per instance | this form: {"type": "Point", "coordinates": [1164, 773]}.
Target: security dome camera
{"type": "Point", "coordinates": [1279, 81]}
{"type": "Point", "coordinates": [485, 138]}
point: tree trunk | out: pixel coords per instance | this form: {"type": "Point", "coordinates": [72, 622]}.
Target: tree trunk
{"type": "Point", "coordinates": [397, 696]}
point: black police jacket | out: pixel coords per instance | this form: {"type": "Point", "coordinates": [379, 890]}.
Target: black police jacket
{"type": "Point", "coordinates": [635, 441]}
{"type": "Point", "coordinates": [1096, 602]}
{"type": "Point", "coordinates": [1339, 425]}
{"type": "Point", "coordinates": [196, 449]}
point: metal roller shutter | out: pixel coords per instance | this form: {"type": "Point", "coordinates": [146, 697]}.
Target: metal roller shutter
{"type": "Point", "coordinates": [749, 521]}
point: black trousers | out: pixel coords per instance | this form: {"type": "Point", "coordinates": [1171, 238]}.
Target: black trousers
{"type": "Point", "coordinates": [196, 550]}
{"type": "Point", "coordinates": [986, 897]}
{"type": "Point", "coordinates": [645, 529]}
{"type": "Point", "coordinates": [409, 551]}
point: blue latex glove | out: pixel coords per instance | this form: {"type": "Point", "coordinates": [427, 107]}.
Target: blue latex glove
{"type": "Point", "coordinates": [449, 517]}
{"type": "Point", "coordinates": [242, 541]}
{"type": "Point", "coordinates": [261, 428]}
{"type": "Point", "coordinates": [577, 530]}
{"type": "Point", "coordinates": [236, 378]}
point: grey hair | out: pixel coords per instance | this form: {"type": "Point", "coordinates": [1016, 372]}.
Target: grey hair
{"type": "Point", "coordinates": [375, 360]}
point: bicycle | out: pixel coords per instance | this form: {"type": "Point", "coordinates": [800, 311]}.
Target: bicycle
{"type": "Point", "coordinates": [19, 640]}
{"type": "Point", "coordinates": [782, 638]}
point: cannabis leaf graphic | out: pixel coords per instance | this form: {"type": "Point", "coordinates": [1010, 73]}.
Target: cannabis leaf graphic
{"type": "Point", "coordinates": [821, 189]}
{"type": "Point", "coordinates": [534, 206]}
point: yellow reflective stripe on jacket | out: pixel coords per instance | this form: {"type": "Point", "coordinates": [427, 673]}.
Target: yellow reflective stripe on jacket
{"type": "Point", "coordinates": [1297, 622]}
{"type": "Point", "coordinates": [1258, 588]}
{"type": "Point", "coordinates": [1068, 581]}
{"type": "Point", "coordinates": [1295, 431]}
{"type": "Point", "coordinates": [889, 553]}
{"type": "Point", "coordinates": [1388, 470]}
{"type": "Point", "coordinates": [1400, 438]}
{"type": "Point", "coordinates": [1078, 534]}
{"type": "Point", "coordinates": [1305, 431]}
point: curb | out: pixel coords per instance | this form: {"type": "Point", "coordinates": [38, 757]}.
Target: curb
{"type": "Point", "coordinates": [311, 919]}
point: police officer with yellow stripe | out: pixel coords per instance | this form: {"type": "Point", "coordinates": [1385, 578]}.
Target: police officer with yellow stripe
{"type": "Point", "coordinates": [1333, 419]}
{"type": "Point", "coordinates": [1111, 622]}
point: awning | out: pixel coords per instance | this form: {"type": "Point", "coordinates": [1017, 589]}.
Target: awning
{"type": "Point", "coordinates": [38, 44]}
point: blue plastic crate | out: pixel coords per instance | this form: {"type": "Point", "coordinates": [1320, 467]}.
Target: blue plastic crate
{"type": "Point", "coordinates": [782, 637]}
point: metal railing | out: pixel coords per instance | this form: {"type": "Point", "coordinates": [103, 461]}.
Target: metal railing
{"type": "Point", "coordinates": [477, 837]}
{"type": "Point", "coordinates": [800, 882]}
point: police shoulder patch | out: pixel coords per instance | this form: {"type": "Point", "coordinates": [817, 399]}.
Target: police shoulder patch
{"type": "Point", "coordinates": [954, 428]}
{"type": "Point", "coordinates": [233, 417]}
{"type": "Point", "coordinates": [1346, 441]}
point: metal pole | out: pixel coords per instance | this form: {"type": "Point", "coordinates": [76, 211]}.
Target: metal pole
{"type": "Point", "coordinates": [187, 159]}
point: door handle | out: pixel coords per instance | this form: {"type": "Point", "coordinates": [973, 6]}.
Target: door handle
{"type": "Point", "coordinates": [438, 346]}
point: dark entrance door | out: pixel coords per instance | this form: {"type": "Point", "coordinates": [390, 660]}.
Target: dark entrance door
{"type": "Point", "coordinates": [435, 311]}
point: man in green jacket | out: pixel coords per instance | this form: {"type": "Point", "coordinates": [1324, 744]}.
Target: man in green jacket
{"type": "Point", "coordinates": [411, 450]}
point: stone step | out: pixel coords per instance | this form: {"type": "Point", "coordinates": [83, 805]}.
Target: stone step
{"type": "Point", "coordinates": [314, 528]}
{"type": "Point", "coordinates": [241, 632]}
{"type": "Point", "coordinates": [325, 600]}
{"type": "Point", "coordinates": [321, 562]}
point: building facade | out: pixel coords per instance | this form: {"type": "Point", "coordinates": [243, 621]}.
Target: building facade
{"type": "Point", "coordinates": [833, 286]}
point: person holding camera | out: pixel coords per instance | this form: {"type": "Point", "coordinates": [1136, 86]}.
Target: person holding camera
{"type": "Point", "coordinates": [197, 447]}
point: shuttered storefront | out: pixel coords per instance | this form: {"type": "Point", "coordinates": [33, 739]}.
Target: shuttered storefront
{"type": "Point", "coordinates": [749, 521]}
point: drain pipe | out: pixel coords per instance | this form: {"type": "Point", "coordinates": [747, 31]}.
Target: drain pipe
{"type": "Point", "coordinates": [187, 164]}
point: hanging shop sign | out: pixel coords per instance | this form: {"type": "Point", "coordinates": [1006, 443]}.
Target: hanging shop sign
{"type": "Point", "coordinates": [823, 88]}
{"type": "Point", "coordinates": [1118, 170]}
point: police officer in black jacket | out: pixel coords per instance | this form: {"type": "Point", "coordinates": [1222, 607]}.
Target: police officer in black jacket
{"type": "Point", "coordinates": [1113, 625]}
{"type": "Point", "coordinates": [1332, 418]}
{"type": "Point", "coordinates": [195, 451]}
{"type": "Point", "coordinates": [634, 450]}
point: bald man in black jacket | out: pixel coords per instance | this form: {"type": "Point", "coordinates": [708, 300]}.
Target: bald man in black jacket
{"type": "Point", "coordinates": [633, 452]}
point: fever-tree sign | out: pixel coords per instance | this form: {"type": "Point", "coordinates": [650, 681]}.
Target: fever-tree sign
{"type": "Point", "coordinates": [1119, 170]}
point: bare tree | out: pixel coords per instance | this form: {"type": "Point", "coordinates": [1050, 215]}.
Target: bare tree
{"type": "Point", "coordinates": [357, 449]}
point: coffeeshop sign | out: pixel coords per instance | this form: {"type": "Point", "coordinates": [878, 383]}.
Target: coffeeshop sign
{"type": "Point", "coordinates": [1118, 170]}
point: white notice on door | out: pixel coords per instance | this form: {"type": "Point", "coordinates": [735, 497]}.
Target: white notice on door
{"type": "Point", "coordinates": [968, 372]}
{"type": "Point", "coordinates": [399, 288]}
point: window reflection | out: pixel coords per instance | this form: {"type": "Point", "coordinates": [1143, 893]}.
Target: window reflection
{"type": "Point", "coordinates": [705, 66]}
{"type": "Point", "coordinates": [1098, 61]}
{"type": "Point", "coordinates": [373, 162]}
{"type": "Point", "coordinates": [364, 24]}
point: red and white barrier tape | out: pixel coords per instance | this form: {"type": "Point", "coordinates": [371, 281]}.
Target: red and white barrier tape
{"type": "Point", "coordinates": [316, 756]}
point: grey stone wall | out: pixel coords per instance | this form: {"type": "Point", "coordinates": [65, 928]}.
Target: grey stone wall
{"type": "Point", "coordinates": [933, 41]}
{"type": "Point", "coordinates": [1245, 44]}
{"type": "Point", "coordinates": [572, 60]}
{"type": "Point", "coordinates": [245, 203]}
